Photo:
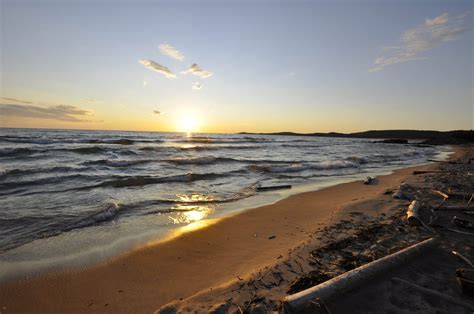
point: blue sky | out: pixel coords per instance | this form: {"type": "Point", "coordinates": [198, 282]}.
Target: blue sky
{"type": "Point", "coordinates": [303, 66]}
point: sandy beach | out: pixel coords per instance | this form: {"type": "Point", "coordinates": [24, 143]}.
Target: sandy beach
{"type": "Point", "coordinates": [212, 257]}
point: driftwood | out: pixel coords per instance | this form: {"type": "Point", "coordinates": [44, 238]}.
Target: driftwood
{"type": "Point", "coordinates": [434, 293]}
{"type": "Point", "coordinates": [459, 195]}
{"type": "Point", "coordinates": [462, 222]}
{"type": "Point", "coordinates": [443, 195]}
{"type": "Point", "coordinates": [467, 286]}
{"type": "Point", "coordinates": [465, 278]}
{"type": "Point", "coordinates": [353, 279]}
{"type": "Point", "coordinates": [428, 171]}
{"type": "Point", "coordinates": [456, 207]}
{"type": "Point", "coordinates": [398, 194]}
{"type": "Point", "coordinates": [465, 259]}
{"type": "Point", "coordinates": [403, 192]}
{"type": "Point", "coordinates": [412, 213]}
{"type": "Point", "coordinates": [465, 273]}
{"type": "Point", "coordinates": [460, 232]}
{"type": "Point", "coordinates": [276, 187]}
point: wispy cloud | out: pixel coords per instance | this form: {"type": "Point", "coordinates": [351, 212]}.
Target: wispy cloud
{"type": "Point", "coordinates": [94, 100]}
{"type": "Point", "coordinates": [55, 112]}
{"type": "Point", "coordinates": [17, 100]}
{"type": "Point", "coordinates": [197, 86]}
{"type": "Point", "coordinates": [156, 112]}
{"type": "Point", "coordinates": [171, 52]}
{"type": "Point", "coordinates": [196, 70]}
{"type": "Point", "coordinates": [152, 65]}
{"type": "Point", "coordinates": [415, 41]}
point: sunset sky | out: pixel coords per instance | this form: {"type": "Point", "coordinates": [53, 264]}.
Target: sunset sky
{"type": "Point", "coordinates": [230, 66]}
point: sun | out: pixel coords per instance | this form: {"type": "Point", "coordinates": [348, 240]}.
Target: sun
{"type": "Point", "coordinates": [188, 124]}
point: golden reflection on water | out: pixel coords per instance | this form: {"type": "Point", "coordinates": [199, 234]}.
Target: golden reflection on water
{"type": "Point", "coordinates": [194, 208]}
{"type": "Point", "coordinates": [192, 214]}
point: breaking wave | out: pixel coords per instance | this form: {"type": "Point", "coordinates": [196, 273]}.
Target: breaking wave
{"type": "Point", "coordinates": [324, 165]}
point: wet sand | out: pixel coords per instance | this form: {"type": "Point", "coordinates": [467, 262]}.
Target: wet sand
{"type": "Point", "coordinates": [222, 254]}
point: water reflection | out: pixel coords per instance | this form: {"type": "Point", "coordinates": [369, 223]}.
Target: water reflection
{"type": "Point", "coordinates": [194, 207]}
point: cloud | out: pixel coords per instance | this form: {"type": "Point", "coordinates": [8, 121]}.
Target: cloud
{"type": "Point", "coordinates": [94, 100]}
{"type": "Point", "coordinates": [152, 65]}
{"type": "Point", "coordinates": [196, 70]}
{"type": "Point", "coordinates": [442, 19]}
{"type": "Point", "coordinates": [197, 86]}
{"type": "Point", "coordinates": [171, 52]}
{"type": "Point", "coordinates": [415, 41]}
{"type": "Point", "coordinates": [156, 112]}
{"type": "Point", "coordinates": [17, 100]}
{"type": "Point", "coordinates": [55, 112]}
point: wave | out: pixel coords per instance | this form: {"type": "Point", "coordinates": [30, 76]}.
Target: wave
{"type": "Point", "coordinates": [211, 160]}
{"type": "Point", "coordinates": [221, 141]}
{"type": "Point", "coordinates": [23, 151]}
{"type": "Point", "coordinates": [300, 146]}
{"type": "Point", "coordinates": [323, 165]}
{"type": "Point", "coordinates": [30, 228]}
{"type": "Point", "coordinates": [122, 141]}
{"type": "Point", "coordinates": [84, 150]}
{"type": "Point", "coordinates": [22, 172]}
{"type": "Point", "coordinates": [108, 212]}
{"type": "Point", "coordinates": [200, 160]}
{"type": "Point", "coordinates": [117, 163]}
{"type": "Point", "coordinates": [138, 181]}
{"type": "Point", "coordinates": [220, 147]}
{"type": "Point", "coordinates": [64, 140]}
{"type": "Point", "coordinates": [358, 159]}
{"type": "Point", "coordinates": [16, 152]}
{"type": "Point", "coordinates": [199, 148]}
{"type": "Point", "coordinates": [8, 188]}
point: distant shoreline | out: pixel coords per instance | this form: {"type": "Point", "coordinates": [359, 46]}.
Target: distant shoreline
{"type": "Point", "coordinates": [429, 137]}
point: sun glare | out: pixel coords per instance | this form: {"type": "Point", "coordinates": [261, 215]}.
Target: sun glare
{"type": "Point", "coordinates": [188, 124]}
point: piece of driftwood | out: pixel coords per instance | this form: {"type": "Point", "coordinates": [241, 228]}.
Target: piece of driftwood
{"type": "Point", "coordinates": [456, 207]}
{"type": "Point", "coordinates": [462, 222]}
{"type": "Point", "coordinates": [460, 232]}
{"type": "Point", "coordinates": [467, 286]}
{"type": "Point", "coordinates": [353, 279]}
{"type": "Point", "coordinates": [465, 259]}
{"type": "Point", "coordinates": [275, 187]}
{"type": "Point", "coordinates": [465, 273]}
{"type": "Point", "coordinates": [428, 171]}
{"type": "Point", "coordinates": [465, 278]}
{"type": "Point", "coordinates": [434, 293]}
{"type": "Point", "coordinates": [403, 192]}
{"type": "Point", "coordinates": [398, 194]}
{"type": "Point", "coordinates": [443, 195]}
{"type": "Point", "coordinates": [459, 195]}
{"type": "Point", "coordinates": [412, 213]}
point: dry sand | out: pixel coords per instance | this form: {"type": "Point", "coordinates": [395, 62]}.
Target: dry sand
{"type": "Point", "coordinates": [212, 264]}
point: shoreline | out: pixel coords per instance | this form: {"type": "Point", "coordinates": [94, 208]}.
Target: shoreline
{"type": "Point", "coordinates": [102, 254]}
{"type": "Point", "coordinates": [223, 252]}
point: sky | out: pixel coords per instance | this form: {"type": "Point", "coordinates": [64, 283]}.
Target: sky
{"type": "Point", "coordinates": [231, 66]}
